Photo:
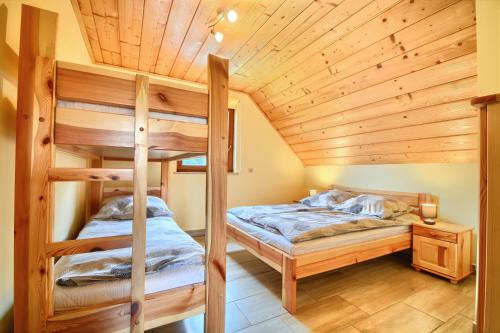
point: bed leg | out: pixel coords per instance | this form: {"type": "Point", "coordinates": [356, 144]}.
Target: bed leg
{"type": "Point", "coordinates": [289, 285]}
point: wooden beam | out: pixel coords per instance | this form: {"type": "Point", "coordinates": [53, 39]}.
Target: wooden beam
{"type": "Point", "coordinates": [481, 101]}
{"type": "Point", "coordinates": [35, 79]}
{"type": "Point", "coordinates": [96, 190]}
{"type": "Point", "coordinates": [90, 174]}
{"type": "Point", "coordinates": [216, 197]}
{"type": "Point", "coordinates": [86, 245]}
{"type": "Point", "coordinates": [89, 87]}
{"type": "Point", "coordinates": [140, 203]}
{"type": "Point", "coordinates": [164, 180]}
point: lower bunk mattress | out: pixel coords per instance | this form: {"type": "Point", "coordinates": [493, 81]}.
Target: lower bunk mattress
{"type": "Point", "coordinates": [310, 246]}
{"type": "Point", "coordinates": [163, 236]}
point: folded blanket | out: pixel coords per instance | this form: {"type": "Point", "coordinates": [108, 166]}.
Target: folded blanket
{"type": "Point", "coordinates": [298, 226]}
{"type": "Point", "coordinates": [166, 245]}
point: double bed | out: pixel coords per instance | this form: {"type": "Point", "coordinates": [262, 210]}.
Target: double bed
{"type": "Point", "coordinates": [297, 255]}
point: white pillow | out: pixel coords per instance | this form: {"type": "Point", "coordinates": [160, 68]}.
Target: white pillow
{"type": "Point", "coordinates": [373, 205]}
{"type": "Point", "coordinates": [122, 208]}
{"type": "Point", "coordinates": [327, 198]}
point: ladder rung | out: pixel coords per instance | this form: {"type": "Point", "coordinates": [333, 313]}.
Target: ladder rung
{"type": "Point", "coordinates": [87, 245]}
{"type": "Point", "coordinates": [89, 174]}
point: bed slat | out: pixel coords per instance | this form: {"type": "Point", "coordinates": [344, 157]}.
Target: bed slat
{"type": "Point", "coordinates": [89, 174]}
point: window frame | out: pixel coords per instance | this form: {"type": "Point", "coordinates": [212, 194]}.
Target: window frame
{"type": "Point", "coordinates": [230, 152]}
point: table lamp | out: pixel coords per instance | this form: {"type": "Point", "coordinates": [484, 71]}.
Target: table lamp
{"type": "Point", "coordinates": [429, 212]}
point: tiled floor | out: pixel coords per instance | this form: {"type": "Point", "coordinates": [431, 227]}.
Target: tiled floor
{"type": "Point", "coordinates": [382, 295]}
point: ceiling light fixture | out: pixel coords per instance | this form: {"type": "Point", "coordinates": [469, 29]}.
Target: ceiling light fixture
{"type": "Point", "coordinates": [232, 15]}
{"type": "Point", "coordinates": [219, 36]}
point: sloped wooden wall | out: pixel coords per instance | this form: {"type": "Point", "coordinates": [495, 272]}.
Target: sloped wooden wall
{"type": "Point", "coordinates": [393, 89]}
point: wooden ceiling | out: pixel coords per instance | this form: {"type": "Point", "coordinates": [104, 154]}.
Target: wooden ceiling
{"type": "Point", "coordinates": [343, 81]}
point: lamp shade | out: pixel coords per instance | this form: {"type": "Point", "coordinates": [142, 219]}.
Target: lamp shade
{"type": "Point", "coordinates": [429, 210]}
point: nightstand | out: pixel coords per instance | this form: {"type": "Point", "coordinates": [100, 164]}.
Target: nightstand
{"type": "Point", "coordinates": [443, 248]}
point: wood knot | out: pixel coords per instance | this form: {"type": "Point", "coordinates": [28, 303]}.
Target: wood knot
{"type": "Point", "coordinates": [46, 141]}
{"type": "Point", "coordinates": [141, 129]}
{"type": "Point", "coordinates": [115, 177]}
{"type": "Point", "coordinates": [26, 117]}
{"type": "Point", "coordinates": [162, 97]}
{"type": "Point", "coordinates": [41, 119]}
{"type": "Point", "coordinates": [96, 249]}
{"type": "Point", "coordinates": [42, 270]}
{"type": "Point", "coordinates": [94, 177]}
{"type": "Point", "coordinates": [40, 198]}
{"type": "Point", "coordinates": [50, 84]}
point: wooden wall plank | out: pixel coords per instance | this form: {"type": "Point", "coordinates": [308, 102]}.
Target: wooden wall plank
{"type": "Point", "coordinates": [459, 156]}
{"type": "Point", "coordinates": [140, 204]}
{"type": "Point", "coordinates": [216, 197]}
{"type": "Point", "coordinates": [438, 113]}
{"type": "Point", "coordinates": [36, 53]}
{"type": "Point", "coordinates": [429, 130]}
{"type": "Point", "coordinates": [441, 94]}
{"type": "Point", "coordinates": [446, 143]}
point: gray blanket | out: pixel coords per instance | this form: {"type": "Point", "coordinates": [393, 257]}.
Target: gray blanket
{"type": "Point", "coordinates": [299, 225]}
{"type": "Point", "coordinates": [166, 245]}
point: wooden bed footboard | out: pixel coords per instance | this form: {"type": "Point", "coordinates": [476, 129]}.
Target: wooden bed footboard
{"type": "Point", "coordinates": [160, 308]}
{"type": "Point", "coordinates": [293, 267]}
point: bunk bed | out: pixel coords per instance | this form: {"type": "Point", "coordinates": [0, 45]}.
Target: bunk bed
{"type": "Point", "coordinates": [102, 114]}
{"type": "Point", "coordinates": [310, 257]}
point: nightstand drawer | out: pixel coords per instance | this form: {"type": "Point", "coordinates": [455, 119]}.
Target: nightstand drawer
{"type": "Point", "coordinates": [435, 255]}
{"type": "Point", "coordinates": [435, 234]}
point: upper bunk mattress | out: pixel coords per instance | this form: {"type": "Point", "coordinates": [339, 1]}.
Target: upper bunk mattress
{"type": "Point", "coordinates": [310, 246]}
{"type": "Point", "coordinates": [172, 273]}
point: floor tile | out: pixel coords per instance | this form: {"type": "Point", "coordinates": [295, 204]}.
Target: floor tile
{"type": "Point", "coordinates": [275, 325]}
{"type": "Point", "coordinates": [457, 324]}
{"type": "Point", "coordinates": [235, 319]}
{"type": "Point", "coordinates": [326, 315]}
{"type": "Point", "coordinates": [261, 307]}
{"type": "Point", "coordinates": [441, 301]}
{"type": "Point", "coordinates": [396, 319]}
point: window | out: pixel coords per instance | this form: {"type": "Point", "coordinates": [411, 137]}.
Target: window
{"type": "Point", "coordinates": [199, 164]}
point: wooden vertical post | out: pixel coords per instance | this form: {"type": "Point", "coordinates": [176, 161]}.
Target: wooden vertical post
{"type": "Point", "coordinates": [483, 211]}
{"type": "Point", "coordinates": [289, 284]}
{"type": "Point", "coordinates": [96, 189]}
{"type": "Point", "coordinates": [140, 203]}
{"type": "Point", "coordinates": [216, 197]}
{"type": "Point", "coordinates": [31, 211]}
{"type": "Point", "coordinates": [164, 180]}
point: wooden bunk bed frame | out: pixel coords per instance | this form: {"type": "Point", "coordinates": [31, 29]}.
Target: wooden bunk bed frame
{"type": "Point", "coordinates": [43, 125]}
{"type": "Point", "coordinates": [294, 267]}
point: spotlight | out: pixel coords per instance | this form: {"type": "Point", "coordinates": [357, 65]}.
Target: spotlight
{"type": "Point", "coordinates": [232, 15]}
{"type": "Point", "coordinates": [219, 36]}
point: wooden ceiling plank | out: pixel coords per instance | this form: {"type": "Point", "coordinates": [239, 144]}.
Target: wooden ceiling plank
{"type": "Point", "coordinates": [287, 13]}
{"type": "Point", "coordinates": [181, 13]}
{"type": "Point", "coordinates": [304, 22]}
{"type": "Point", "coordinates": [432, 130]}
{"type": "Point", "coordinates": [130, 13]}
{"type": "Point", "coordinates": [87, 27]}
{"type": "Point", "coordinates": [236, 35]}
{"type": "Point", "coordinates": [349, 15]}
{"type": "Point", "coordinates": [195, 36]}
{"type": "Point", "coordinates": [439, 25]}
{"type": "Point", "coordinates": [107, 26]}
{"type": "Point", "coordinates": [449, 71]}
{"type": "Point", "coordinates": [445, 93]}
{"type": "Point", "coordinates": [442, 112]}
{"type": "Point", "coordinates": [156, 14]}
{"type": "Point", "coordinates": [385, 22]}
{"type": "Point", "coordinates": [105, 7]}
{"type": "Point", "coordinates": [442, 50]}
{"type": "Point", "coordinates": [459, 156]}
{"type": "Point", "coordinates": [129, 55]}
{"type": "Point", "coordinates": [458, 142]}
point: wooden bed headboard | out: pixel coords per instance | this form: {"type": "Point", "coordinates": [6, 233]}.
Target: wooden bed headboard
{"type": "Point", "coordinates": [411, 198]}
